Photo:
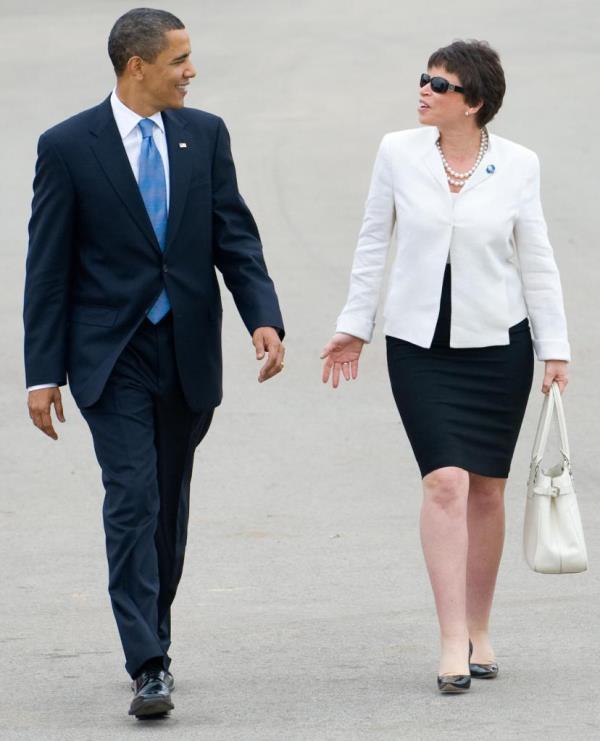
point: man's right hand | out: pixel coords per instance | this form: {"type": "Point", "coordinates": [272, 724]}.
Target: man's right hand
{"type": "Point", "coordinates": [39, 403]}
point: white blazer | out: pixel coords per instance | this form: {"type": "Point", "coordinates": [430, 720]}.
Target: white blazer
{"type": "Point", "coordinates": [503, 267]}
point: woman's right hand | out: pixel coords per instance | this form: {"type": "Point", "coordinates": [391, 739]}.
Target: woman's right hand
{"type": "Point", "coordinates": [341, 353]}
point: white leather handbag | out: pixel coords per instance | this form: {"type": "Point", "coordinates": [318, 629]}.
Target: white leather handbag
{"type": "Point", "coordinates": [553, 539]}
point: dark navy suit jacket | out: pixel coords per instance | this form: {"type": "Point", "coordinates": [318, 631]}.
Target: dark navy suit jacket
{"type": "Point", "coordinates": [94, 266]}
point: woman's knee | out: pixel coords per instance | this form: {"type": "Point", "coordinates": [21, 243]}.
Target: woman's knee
{"type": "Point", "coordinates": [486, 490]}
{"type": "Point", "coordinates": [446, 487]}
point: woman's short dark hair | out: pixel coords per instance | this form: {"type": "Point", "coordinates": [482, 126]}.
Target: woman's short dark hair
{"type": "Point", "coordinates": [480, 72]}
{"type": "Point", "coordinates": [140, 33]}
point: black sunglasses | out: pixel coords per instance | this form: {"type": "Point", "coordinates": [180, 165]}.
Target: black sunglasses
{"type": "Point", "coordinates": [439, 84]}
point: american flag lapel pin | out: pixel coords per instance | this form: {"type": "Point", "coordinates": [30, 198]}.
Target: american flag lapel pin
{"type": "Point", "coordinates": [182, 145]}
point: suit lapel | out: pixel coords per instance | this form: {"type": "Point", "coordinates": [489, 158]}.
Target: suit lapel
{"type": "Point", "coordinates": [180, 170]}
{"type": "Point", "coordinates": [111, 155]}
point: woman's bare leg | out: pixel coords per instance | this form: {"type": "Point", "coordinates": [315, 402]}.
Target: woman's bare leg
{"type": "Point", "coordinates": [486, 539]}
{"type": "Point", "coordinates": [445, 541]}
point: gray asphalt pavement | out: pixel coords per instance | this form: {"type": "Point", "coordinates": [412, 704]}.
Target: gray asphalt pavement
{"type": "Point", "coordinates": [304, 612]}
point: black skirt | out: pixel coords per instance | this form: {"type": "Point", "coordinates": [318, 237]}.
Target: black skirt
{"type": "Point", "coordinates": [462, 406]}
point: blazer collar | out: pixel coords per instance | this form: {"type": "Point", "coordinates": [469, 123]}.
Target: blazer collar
{"type": "Point", "coordinates": [433, 162]}
{"type": "Point", "coordinates": [486, 168]}
{"type": "Point", "coordinates": [432, 158]}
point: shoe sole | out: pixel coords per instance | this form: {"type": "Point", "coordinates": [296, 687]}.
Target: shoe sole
{"type": "Point", "coordinates": [144, 708]}
{"type": "Point", "coordinates": [492, 675]}
{"type": "Point", "coordinates": [453, 690]}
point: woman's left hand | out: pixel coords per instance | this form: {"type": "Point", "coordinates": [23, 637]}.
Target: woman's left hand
{"type": "Point", "coordinates": [556, 370]}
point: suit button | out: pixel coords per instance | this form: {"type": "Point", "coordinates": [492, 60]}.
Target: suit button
{"type": "Point", "coordinates": [165, 269]}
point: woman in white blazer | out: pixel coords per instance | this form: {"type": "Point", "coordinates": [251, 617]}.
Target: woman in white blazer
{"type": "Point", "coordinates": [472, 279]}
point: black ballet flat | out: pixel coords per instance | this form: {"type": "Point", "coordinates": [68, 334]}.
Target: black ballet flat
{"type": "Point", "coordinates": [453, 684]}
{"type": "Point", "coordinates": [482, 671]}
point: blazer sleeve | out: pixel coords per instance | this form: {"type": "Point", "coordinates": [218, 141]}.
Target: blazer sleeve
{"type": "Point", "coordinates": [237, 247]}
{"type": "Point", "coordinates": [48, 269]}
{"type": "Point", "coordinates": [539, 274]}
{"type": "Point", "coordinates": [358, 315]}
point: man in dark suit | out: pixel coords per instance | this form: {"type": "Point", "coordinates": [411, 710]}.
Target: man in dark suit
{"type": "Point", "coordinates": [135, 204]}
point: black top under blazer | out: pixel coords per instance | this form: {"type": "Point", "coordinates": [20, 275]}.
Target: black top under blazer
{"type": "Point", "coordinates": [94, 266]}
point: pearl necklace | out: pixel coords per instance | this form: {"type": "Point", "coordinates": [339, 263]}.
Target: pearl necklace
{"type": "Point", "coordinates": [460, 178]}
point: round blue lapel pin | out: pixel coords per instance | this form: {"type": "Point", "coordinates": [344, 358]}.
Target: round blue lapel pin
{"type": "Point", "coordinates": [490, 169]}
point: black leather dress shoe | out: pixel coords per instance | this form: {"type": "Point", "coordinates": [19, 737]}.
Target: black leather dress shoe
{"type": "Point", "coordinates": [152, 696]}
{"type": "Point", "coordinates": [169, 681]}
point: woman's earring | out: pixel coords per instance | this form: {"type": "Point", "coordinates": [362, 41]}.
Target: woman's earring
{"type": "Point", "coordinates": [467, 113]}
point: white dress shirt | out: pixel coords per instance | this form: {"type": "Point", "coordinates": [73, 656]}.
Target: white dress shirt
{"type": "Point", "coordinates": [493, 232]}
{"type": "Point", "coordinates": [127, 122]}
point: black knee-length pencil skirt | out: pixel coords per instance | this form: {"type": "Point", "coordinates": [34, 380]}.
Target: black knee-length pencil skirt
{"type": "Point", "coordinates": [462, 406]}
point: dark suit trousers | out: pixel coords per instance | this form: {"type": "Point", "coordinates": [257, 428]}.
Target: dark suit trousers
{"type": "Point", "coordinates": [145, 436]}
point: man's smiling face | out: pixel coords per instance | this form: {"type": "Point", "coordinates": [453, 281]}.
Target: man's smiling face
{"type": "Point", "coordinates": [165, 80]}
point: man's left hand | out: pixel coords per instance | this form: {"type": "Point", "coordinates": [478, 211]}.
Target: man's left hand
{"type": "Point", "coordinates": [266, 340]}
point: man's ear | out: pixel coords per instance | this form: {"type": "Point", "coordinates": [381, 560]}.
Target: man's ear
{"type": "Point", "coordinates": [135, 68]}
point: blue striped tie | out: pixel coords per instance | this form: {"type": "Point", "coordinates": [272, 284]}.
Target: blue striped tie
{"type": "Point", "coordinates": [153, 188]}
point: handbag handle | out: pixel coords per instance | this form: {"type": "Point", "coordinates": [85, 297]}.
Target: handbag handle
{"type": "Point", "coordinates": [552, 401]}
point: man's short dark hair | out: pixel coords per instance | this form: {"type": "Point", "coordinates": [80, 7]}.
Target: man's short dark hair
{"type": "Point", "coordinates": [480, 72]}
{"type": "Point", "coordinates": [140, 33]}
